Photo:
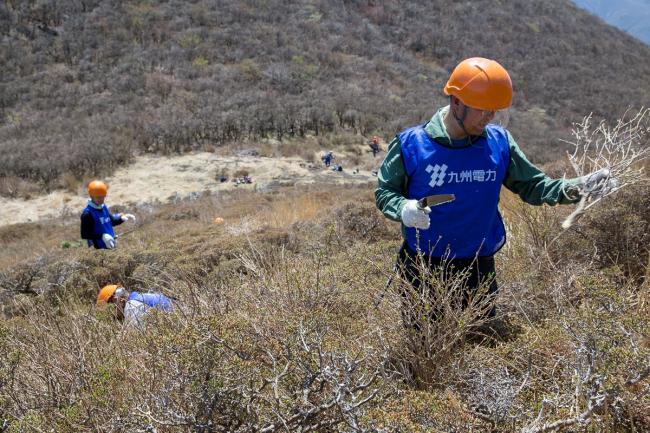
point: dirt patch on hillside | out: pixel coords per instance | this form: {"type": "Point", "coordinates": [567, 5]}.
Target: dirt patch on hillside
{"type": "Point", "coordinates": [157, 179]}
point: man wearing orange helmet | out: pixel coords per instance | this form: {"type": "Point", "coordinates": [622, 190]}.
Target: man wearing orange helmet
{"type": "Point", "coordinates": [374, 145]}
{"type": "Point", "coordinates": [460, 152]}
{"type": "Point", "coordinates": [97, 222]}
{"type": "Point", "coordinates": [131, 307]}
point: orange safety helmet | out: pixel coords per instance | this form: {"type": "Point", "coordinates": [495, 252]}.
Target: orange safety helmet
{"type": "Point", "coordinates": [105, 293]}
{"type": "Point", "coordinates": [481, 83]}
{"type": "Point", "coordinates": [97, 188]}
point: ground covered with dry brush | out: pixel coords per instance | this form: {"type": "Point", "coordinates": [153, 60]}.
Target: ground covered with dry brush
{"type": "Point", "coordinates": [283, 322]}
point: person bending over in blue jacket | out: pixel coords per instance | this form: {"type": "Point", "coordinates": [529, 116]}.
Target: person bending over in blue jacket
{"type": "Point", "coordinates": [97, 222]}
{"type": "Point", "coordinates": [131, 307]}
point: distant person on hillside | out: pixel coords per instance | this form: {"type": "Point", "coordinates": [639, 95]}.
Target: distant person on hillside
{"type": "Point", "coordinates": [132, 307]}
{"type": "Point", "coordinates": [374, 145]}
{"type": "Point", "coordinates": [327, 158]}
{"type": "Point", "coordinates": [243, 180]}
{"type": "Point", "coordinates": [97, 222]}
{"type": "Point", "coordinates": [459, 151]}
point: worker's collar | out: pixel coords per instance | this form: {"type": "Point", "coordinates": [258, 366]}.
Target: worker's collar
{"type": "Point", "coordinates": [437, 131]}
{"type": "Point", "coordinates": [93, 204]}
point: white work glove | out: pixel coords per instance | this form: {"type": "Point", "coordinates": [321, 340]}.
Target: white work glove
{"type": "Point", "coordinates": [109, 241]}
{"type": "Point", "coordinates": [598, 183]}
{"type": "Point", "coordinates": [414, 216]}
{"type": "Point", "coordinates": [128, 216]}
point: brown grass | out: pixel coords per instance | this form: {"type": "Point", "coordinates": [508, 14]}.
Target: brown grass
{"type": "Point", "coordinates": [277, 309]}
{"type": "Point", "coordinates": [15, 187]}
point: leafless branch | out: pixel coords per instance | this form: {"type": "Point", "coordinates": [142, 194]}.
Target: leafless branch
{"type": "Point", "coordinates": [618, 148]}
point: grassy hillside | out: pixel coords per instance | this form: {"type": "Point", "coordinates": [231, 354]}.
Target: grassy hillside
{"type": "Point", "coordinates": [85, 84]}
{"type": "Point", "coordinates": [279, 325]}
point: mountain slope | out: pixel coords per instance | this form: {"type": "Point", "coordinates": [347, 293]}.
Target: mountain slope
{"type": "Point", "coordinates": [87, 84]}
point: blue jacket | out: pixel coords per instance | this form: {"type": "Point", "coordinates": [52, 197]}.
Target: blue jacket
{"type": "Point", "coordinates": [95, 221]}
{"type": "Point", "coordinates": [471, 225]}
{"type": "Point", "coordinates": [152, 300]}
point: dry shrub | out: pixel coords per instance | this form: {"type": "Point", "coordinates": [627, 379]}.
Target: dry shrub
{"type": "Point", "coordinates": [70, 182]}
{"type": "Point", "coordinates": [16, 286]}
{"type": "Point", "coordinates": [303, 148]}
{"type": "Point", "coordinates": [538, 259]}
{"type": "Point", "coordinates": [15, 187]}
{"type": "Point", "coordinates": [200, 207]}
{"type": "Point", "coordinates": [19, 232]}
{"type": "Point", "coordinates": [352, 160]}
{"type": "Point", "coordinates": [184, 213]}
{"type": "Point", "coordinates": [586, 353]}
{"type": "Point", "coordinates": [240, 173]}
{"type": "Point", "coordinates": [437, 317]}
{"type": "Point", "coordinates": [303, 207]}
{"type": "Point", "coordinates": [361, 221]}
{"type": "Point", "coordinates": [341, 139]}
{"type": "Point", "coordinates": [531, 230]}
{"type": "Point", "coordinates": [68, 378]}
{"type": "Point", "coordinates": [620, 231]}
{"type": "Point", "coordinates": [221, 173]}
{"type": "Point", "coordinates": [40, 277]}
{"type": "Point", "coordinates": [267, 149]}
{"type": "Point", "coordinates": [24, 242]}
{"type": "Point", "coordinates": [424, 412]}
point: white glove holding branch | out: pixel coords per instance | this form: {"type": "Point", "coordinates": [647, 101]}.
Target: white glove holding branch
{"type": "Point", "coordinates": [414, 216]}
{"type": "Point", "coordinates": [109, 241]}
{"type": "Point", "coordinates": [128, 216]}
{"type": "Point", "coordinates": [598, 183]}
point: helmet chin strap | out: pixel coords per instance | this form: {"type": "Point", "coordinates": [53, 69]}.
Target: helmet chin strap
{"type": "Point", "coordinates": [461, 120]}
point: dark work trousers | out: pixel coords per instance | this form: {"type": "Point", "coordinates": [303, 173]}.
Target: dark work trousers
{"type": "Point", "coordinates": [481, 270]}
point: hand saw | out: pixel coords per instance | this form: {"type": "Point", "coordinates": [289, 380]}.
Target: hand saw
{"type": "Point", "coordinates": [435, 200]}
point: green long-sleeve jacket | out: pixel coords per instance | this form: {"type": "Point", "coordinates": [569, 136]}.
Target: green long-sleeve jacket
{"type": "Point", "coordinates": [522, 177]}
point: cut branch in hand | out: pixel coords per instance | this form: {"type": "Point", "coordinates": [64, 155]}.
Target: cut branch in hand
{"type": "Point", "coordinates": [618, 149]}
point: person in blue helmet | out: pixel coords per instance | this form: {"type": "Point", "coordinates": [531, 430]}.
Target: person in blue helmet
{"type": "Point", "coordinates": [97, 222]}
{"type": "Point", "coordinates": [132, 307]}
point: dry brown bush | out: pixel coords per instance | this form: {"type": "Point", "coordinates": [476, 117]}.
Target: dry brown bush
{"type": "Point", "coordinates": [15, 187]}
{"type": "Point", "coordinates": [361, 221]}
{"type": "Point", "coordinates": [620, 232]}
{"type": "Point", "coordinates": [436, 322]}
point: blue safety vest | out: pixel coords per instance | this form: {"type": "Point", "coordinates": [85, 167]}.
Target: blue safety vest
{"type": "Point", "coordinates": [152, 300]}
{"type": "Point", "coordinates": [471, 225]}
{"type": "Point", "coordinates": [101, 224]}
